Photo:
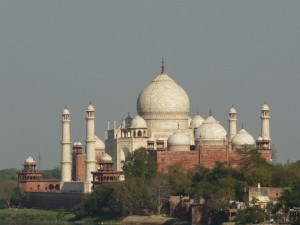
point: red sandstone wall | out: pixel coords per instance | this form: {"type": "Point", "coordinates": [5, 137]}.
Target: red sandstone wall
{"type": "Point", "coordinates": [187, 159]}
{"type": "Point", "coordinates": [52, 200]}
{"type": "Point", "coordinates": [39, 186]}
{"type": "Point", "coordinates": [209, 157]}
{"type": "Point", "coordinates": [205, 157]}
{"type": "Point", "coordinates": [80, 167]}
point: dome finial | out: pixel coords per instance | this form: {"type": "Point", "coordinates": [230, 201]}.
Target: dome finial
{"type": "Point", "coordinates": [90, 102]}
{"type": "Point", "coordinates": [162, 65]}
{"type": "Point", "coordinates": [242, 125]}
{"type": "Point", "coordinates": [209, 112]}
{"type": "Point", "coordinates": [197, 112]}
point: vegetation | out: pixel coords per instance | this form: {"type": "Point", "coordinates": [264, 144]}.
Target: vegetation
{"type": "Point", "coordinates": [34, 215]}
{"type": "Point", "coordinates": [145, 191]}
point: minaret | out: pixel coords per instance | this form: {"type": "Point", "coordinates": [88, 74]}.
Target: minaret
{"type": "Point", "coordinates": [66, 163]}
{"type": "Point", "coordinates": [265, 122]}
{"type": "Point", "coordinates": [90, 144]}
{"type": "Point", "coordinates": [232, 123]}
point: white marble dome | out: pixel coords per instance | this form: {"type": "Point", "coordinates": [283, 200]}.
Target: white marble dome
{"type": "Point", "coordinates": [99, 144]}
{"type": "Point", "coordinates": [29, 160]}
{"type": "Point", "coordinates": [210, 130]}
{"type": "Point", "coordinates": [265, 107]}
{"type": "Point", "coordinates": [105, 158]}
{"type": "Point", "coordinates": [196, 121]}
{"type": "Point", "coordinates": [90, 108]}
{"type": "Point", "coordinates": [138, 122]}
{"type": "Point", "coordinates": [242, 138]}
{"type": "Point", "coordinates": [151, 139]}
{"type": "Point", "coordinates": [178, 138]}
{"type": "Point", "coordinates": [259, 138]}
{"type": "Point", "coordinates": [66, 111]}
{"type": "Point", "coordinates": [232, 110]}
{"type": "Point", "coordinates": [163, 96]}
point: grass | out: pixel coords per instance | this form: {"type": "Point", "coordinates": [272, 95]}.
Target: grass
{"type": "Point", "coordinates": [34, 215]}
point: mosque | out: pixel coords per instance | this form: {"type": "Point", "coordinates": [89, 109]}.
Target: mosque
{"type": "Point", "coordinates": [162, 126]}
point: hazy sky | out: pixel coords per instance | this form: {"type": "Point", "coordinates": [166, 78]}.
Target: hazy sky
{"type": "Point", "coordinates": [56, 53]}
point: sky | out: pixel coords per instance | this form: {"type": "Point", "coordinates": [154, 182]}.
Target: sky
{"type": "Point", "coordinates": [59, 53]}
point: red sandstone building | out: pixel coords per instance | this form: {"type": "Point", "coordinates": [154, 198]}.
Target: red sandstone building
{"type": "Point", "coordinates": [30, 179]}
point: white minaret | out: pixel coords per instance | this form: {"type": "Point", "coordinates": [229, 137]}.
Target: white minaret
{"type": "Point", "coordinates": [90, 144]}
{"type": "Point", "coordinates": [66, 163]}
{"type": "Point", "coordinates": [232, 123]}
{"type": "Point", "coordinates": [265, 122]}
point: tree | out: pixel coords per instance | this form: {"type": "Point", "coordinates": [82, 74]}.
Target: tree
{"type": "Point", "coordinates": [178, 180]}
{"type": "Point", "coordinates": [7, 190]}
{"type": "Point", "coordinates": [140, 164]}
{"type": "Point", "coordinates": [251, 215]}
{"type": "Point", "coordinates": [291, 197]}
{"type": "Point", "coordinates": [160, 192]}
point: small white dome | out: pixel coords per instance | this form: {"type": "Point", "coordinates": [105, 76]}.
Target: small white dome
{"type": "Point", "coordinates": [242, 138]}
{"type": "Point", "coordinates": [232, 110]}
{"type": "Point", "coordinates": [105, 158]}
{"type": "Point", "coordinates": [66, 111]}
{"type": "Point", "coordinates": [99, 143]}
{"type": "Point", "coordinates": [259, 138]}
{"type": "Point", "coordinates": [138, 122]}
{"type": "Point", "coordinates": [151, 139]}
{"type": "Point", "coordinates": [178, 138]}
{"type": "Point", "coordinates": [160, 139]}
{"type": "Point", "coordinates": [196, 121]}
{"type": "Point", "coordinates": [210, 130]}
{"type": "Point", "coordinates": [77, 143]}
{"type": "Point", "coordinates": [265, 107]}
{"type": "Point", "coordinates": [29, 160]}
{"type": "Point", "coordinates": [90, 108]}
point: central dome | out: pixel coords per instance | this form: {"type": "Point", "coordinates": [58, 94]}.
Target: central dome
{"type": "Point", "coordinates": [163, 97]}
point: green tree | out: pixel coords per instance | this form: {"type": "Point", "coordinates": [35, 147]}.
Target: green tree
{"type": "Point", "coordinates": [7, 190]}
{"type": "Point", "coordinates": [251, 215]}
{"type": "Point", "coordinates": [179, 180]}
{"type": "Point", "coordinates": [160, 192]}
{"type": "Point", "coordinates": [140, 164]}
{"type": "Point", "coordinates": [291, 196]}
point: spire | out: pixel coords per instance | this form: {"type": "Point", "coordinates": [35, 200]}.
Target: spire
{"type": "Point", "coordinates": [162, 65]}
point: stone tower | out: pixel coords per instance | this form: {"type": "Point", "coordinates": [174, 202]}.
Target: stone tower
{"type": "Point", "coordinates": [265, 122]}
{"type": "Point", "coordinates": [66, 163]}
{"type": "Point", "coordinates": [90, 144]}
{"type": "Point", "coordinates": [232, 123]}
